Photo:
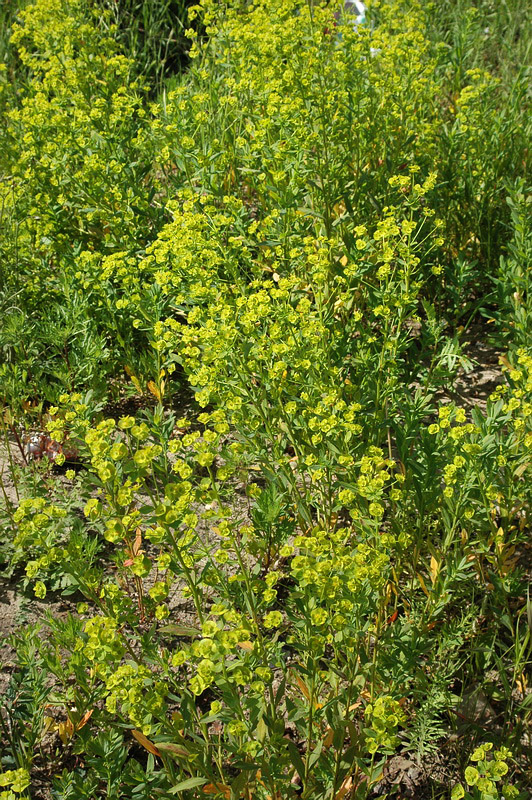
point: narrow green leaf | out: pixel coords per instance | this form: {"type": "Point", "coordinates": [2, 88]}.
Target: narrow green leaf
{"type": "Point", "coordinates": [296, 759]}
{"type": "Point", "coordinates": [190, 783]}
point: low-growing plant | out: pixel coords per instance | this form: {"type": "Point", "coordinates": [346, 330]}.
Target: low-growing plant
{"type": "Point", "coordinates": [301, 553]}
{"type": "Point", "coordinates": [23, 710]}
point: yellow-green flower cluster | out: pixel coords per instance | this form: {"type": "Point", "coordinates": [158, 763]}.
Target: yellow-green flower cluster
{"type": "Point", "coordinates": [16, 781]}
{"type": "Point", "coordinates": [103, 646]}
{"type": "Point", "coordinates": [219, 656]}
{"type": "Point", "coordinates": [74, 174]}
{"type": "Point", "coordinates": [138, 694]}
{"type": "Point", "coordinates": [384, 715]}
{"type": "Point", "coordinates": [336, 569]}
{"type": "Point", "coordinates": [487, 773]}
{"type": "Point", "coordinates": [487, 460]}
{"type": "Point", "coordinates": [42, 531]}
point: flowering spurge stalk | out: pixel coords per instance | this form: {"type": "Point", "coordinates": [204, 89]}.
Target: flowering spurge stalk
{"type": "Point", "coordinates": [485, 474]}
{"type": "Point", "coordinates": [385, 715]}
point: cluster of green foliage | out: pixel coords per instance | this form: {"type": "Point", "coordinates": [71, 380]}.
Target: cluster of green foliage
{"type": "Point", "coordinates": [305, 553]}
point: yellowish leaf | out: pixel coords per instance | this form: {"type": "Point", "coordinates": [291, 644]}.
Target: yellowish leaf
{"type": "Point", "coordinates": [65, 730]}
{"type": "Point", "coordinates": [521, 469]}
{"type": "Point", "coordinates": [138, 541]}
{"type": "Point", "coordinates": [85, 718]}
{"type": "Point", "coordinates": [504, 361]}
{"type": "Point", "coordinates": [302, 685]}
{"type": "Point", "coordinates": [152, 386]}
{"type": "Point", "coordinates": [218, 788]}
{"type": "Point", "coordinates": [145, 742]}
{"type": "Point", "coordinates": [434, 569]}
{"type": "Point", "coordinates": [422, 584]}
{"type": "Point", "coordinates": [344, 788]}
{"type": "Point", "coordinates": [328, 738]}
{"type": "Point", "coordinates": [172, 749]}
{"type": "Point", "coordinates": [49, 724]}
{"type": "Point", "coordinates": [136, 383]}
{"type": "Point", "coordinates": [521, 684]}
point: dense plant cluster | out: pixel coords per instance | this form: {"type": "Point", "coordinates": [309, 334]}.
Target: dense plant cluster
{"type": "Point", "coordinates": [236, 302]}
